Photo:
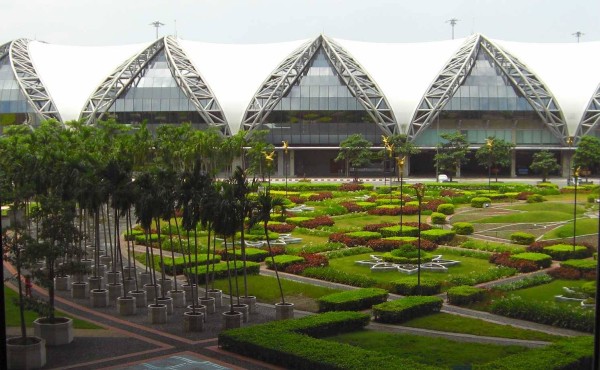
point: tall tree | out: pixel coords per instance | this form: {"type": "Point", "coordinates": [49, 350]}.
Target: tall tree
{"type": "Point", "coordinates": [257, 141]}
{"type": "Point", "coordinates": [587, 154]}
{"type": "Point", "coordinates": [356, 152]}
{"type": "Point", "coordinates": [544, 162]}
{"type": "Point", "coordinates": [494, 154]}
{"type": "Point", "coordinates": [451, 153]}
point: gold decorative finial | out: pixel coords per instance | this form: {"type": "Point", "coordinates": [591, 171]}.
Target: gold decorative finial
{"type": "Point", "coordinates": [285, 146]}
{"type": "Point", "coordinates": [269, 156]}
{"type": "Point", "coordinates": [385, 139]}
{"type": "Point", "coordinates": [489, 142]}
{"type": "Point", "coordinates": [570, 140]}
{"type": "Point", "coordinates": [576, 172]}
{"type": "Point", "coordinates": [400, 161]}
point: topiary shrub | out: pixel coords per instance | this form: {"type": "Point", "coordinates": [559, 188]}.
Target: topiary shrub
{"type": "Point", "coordinates": [283, 261]}
{"type": "Point", "coordinates": [387, 244]}
{"type": "Point", "coordinates": [580, 265]}
{"type": "Point", "coordinates": [409, 286]}
{"type": "Point", "coordinates": [463, 228]}
{"type": "Point", "coordinates": [562, 252]}
{"type": "Point", "coordinates": [535, 198]}
{"type": "Point", "coordinates": [465, 295]}
{"type": "Point", "coordinates": [446, 208]}
{"type": "Point", "coordinates": [352, 300]}
{"type": "Point", "coordinates": [522, 238]}
{"type": "Point", "coordinates": [478, 202]}
{"type": "Point", "coordinates": [336, 276]}
{"type": "Point", "coordinates": [404, 309]}
{"type": "Point", "coordinates": [438, 218]}
{"type": "Point", "coordinates": [406, 254]}
{"type": "Point", "coordinates": [438, 236]}
{"type": "Point", "coordinates": [540, 259]}
{"type": "Point", "coordinates": [389, 231]}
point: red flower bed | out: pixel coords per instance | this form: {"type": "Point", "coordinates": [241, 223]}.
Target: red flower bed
{"type": "Point", "coordinates": [569, 273]}
{"type": "Point", "coordinates": [317, 222]}
{"type": "Point", "coordinates": [281, 228]}
{"type": "Point", "coordinates": [432, 205]}
{"type": "Point", "coordinates": [449, 193]}
{"type": "Point", "coordinates": [385, 245]}
{"type": "Point", "coordinates": [352, 207]}
{"type": "Point", "coordinates": [321, 196]}
{"type": "Point", "coordinates": [347, 240]}
{"type": "Point", "coordinates": [275, 251]}
{"type": "Point", "coordinates": [310, 260]}
{"type": "Point", "coordinates": [351, 186]}
{"type": "Point", "coordinates": [407, 210]}
{"type": "Point", "coordinates": [524, 194]}
{"type": "Point", "coordinates": [377, 227]}
{"type": "Point", "coordinates": [296, 199]}
{"type": "Point", "coordinates": [424, 226]}
{"type": "Point", "coordinates": [505, 260]}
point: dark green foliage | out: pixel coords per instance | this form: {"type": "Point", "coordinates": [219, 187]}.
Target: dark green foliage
{"type": "Point", "coordinates": [152, 239]}
{"type": "Point", "coordinates": [587, 155]}
{"type": "Point", "coordinates": [473, 278]}
{"type": "Point", "coordinates": [478, 202]}
{"type": "Point", "coordinates": [404, 309]}
{"type": "Point", "coordinates": [198, 274]}
{"type": "Point", "coordinates": [522, 238]}
{"type": "Point", "coordinates": [390, 231]}
{"type": "Point", "coordinates": [535, 198]}
{"type": "Point", "coordinates": [540, 259]}
{"type": "Point", "coordinates": [446, 208]}
{"type": "Point", "coordinates": [133, 234]}
{"type": "Point", "coordinates": [407, 253]}
{"type": "Point", "coordinates": [463, 228]}
{"type": "Point", "coordinates": [438, 236]}
{"type": "Point", "coordinates": [562, 252]}
{"type": "Point", "coordinates": [333, 275]}
{"type": "Point", "coordinates": [352, 300]}
{"type": "Point", "coordinates": [581, 265]}
{"type": "Point", "coordinates": [465, 294]}
{"type": "Point", "coordinates": [438, 218]}
{"type": "Point", "coordinates": [283, 261]}
{"type": "Point", "coordinates": [451, 152]}
{"type": "Point", "coordinates": [544, 162]}
{"type": "Point", "coordinates": [180, 265]}
{"type": "Point", "coordinates": [408, 286]}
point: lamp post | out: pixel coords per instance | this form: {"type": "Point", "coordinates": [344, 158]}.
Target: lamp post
{"type": "Point", "coordinates": [420, 192]}
{"type": "Point", "coordinates": [575, 177]}
{"type": "Point", "coordinates": [285, 173]}
{"type": "Point", "coordinates": [400, 162]}
{"type": "Point", "coordinates": [490, 145]}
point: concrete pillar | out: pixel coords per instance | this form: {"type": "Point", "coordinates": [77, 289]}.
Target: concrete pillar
{"type": "Point", "coordinates": [513, 163]}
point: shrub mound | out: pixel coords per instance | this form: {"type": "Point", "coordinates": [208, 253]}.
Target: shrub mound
{"type": "Point", "coordinates": [522, 238]}
{"type": "Point", "coordinates": [352, 300]}
{"type": "Point", "coordinates": [446, 208]}
{"type": "Point", "coordinates": [478, 202]}
{"type": "Point", "coordinates": [463, 228]}
{"type": "Point", "coordinates": [465, 295]}
{"type": "Point", "coordinates": [283, 261]}
{"type": "Point", "coordinates": [562, 252]}
{"type": "Point", "coordinates": [404, 309]}
{"type": "Point", "coordinates": [409, 286]}
{"type": "Point", "coordinates": [438, 236]}
{"type": "Point", "coordinates": [540, 259]}
{"type": "Point", "coordinates": [438, 218]}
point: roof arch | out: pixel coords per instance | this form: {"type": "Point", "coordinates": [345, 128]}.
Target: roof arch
{"type": "Point", "coordinates": [521, 77]}
{"type": "Point", "coordinates": [591, 116]}
{"type": "Point", "coordinates": [354, 76]}
{"type": "Point", "coordinates": [28, 78]}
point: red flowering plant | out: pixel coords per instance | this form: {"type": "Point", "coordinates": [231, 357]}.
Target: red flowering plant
{"type": "Point", "coordinates": [317, 222]}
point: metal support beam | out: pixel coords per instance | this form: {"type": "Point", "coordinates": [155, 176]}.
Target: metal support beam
{"type": "Point", "coordinates": [591, 116]}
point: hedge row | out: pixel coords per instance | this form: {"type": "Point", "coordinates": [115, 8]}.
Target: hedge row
{"type": "Point", "coordinates": [404, 309]}
{"type": "Point", "coordinates": [283, 261]}
{"type": "Point", "coordinates": [438, 236]}
{"type": "Point", "coordinates": [540, 259]}
{"type": "Point", "coordinates": [465, 295]}
{"type": "Point", "coordinates": [336, 276]}
{"type": "Point", "coordinates": [522, 238]}
{"type": "Point", "coordinates": [252, 254]}
{"type": "Point", "coordinates": [180, 264]}
{"type": "Point", "coordinates": [463, 228]}
{"type": "Point", "coordinates": [198, 273]}
{"type": "Point", "coordinates": [290, 344]}
{"type": "Point", "coordinates": [562, 252]}
{"type": "Point", "coordinates": [581, 265]}
{"type": "Point", "coordinates": [409, 286]}
{"type": "Point", "coordinates": [352, 300]}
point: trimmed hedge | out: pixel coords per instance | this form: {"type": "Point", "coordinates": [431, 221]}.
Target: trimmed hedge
{"type": "Point", "coordinates": [465, 295]}
{"type": "Point", "coordinates": [336, 276]}
{"type": "Point", "coordinates": [180, 265]}
{"type": "Point", "coordinates": [198, 273]}
{"type": "Point", "coordinates": [540, 259]}
{"type": "Point", "coordinates": [581, 265]}
{"type": "Point", "coordinates": [364, 235]}
{"type": "Point", "coordinates": [404, 309]}
{"type": "Point", "coordinates": [562, 252]}
{"type": "Point", "coordinates": [290, 344]}
{"type": "Point", "coordinates": [252, 254]}
{"type": "Point", "coordinates": [463, 228]}
{"type": "Point", "coordinates": [408, 286]}
{"type": "Point", "coordinates": [283, 261]}
{"type": "Point", "coordinates": [389, 231]}
{"type": "Point", "coordinates": [438, 236]}
{"type": "Point", "coordinates": [535, 198]}
{"type": "Point", "coordinates": [478, 202]}
{"type": "Point", "coordinates": [352, 300]}
{"type": "Point", "coordinates": [446, 208]}
{"type": "Point", "coordinates": [522, 238]}
{"type": "Point", "coordinates": [438, 218]}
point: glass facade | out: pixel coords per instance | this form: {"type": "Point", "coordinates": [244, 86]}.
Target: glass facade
{"type": "Point", "coordinates": [14, 108]}
{"type": "Point", "coordinates": [155, 97]}
{"type": "Point", "coordinates": [319, 110]}
{"type": "Point", "coordinates": [487, 89]}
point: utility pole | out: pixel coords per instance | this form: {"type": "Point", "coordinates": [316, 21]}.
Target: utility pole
{"type": "Point", "coordinates": [578, 34]}
{"type": "Point", "coordinates": [452, 22]}
{"type": "Point", "coordinates": [157, 25]}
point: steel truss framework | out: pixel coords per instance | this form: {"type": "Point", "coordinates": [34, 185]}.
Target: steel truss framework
{"type": "Point", "coordinates": [184, 72]}
{"type": "Point", "coordinates": [590, 117]}
{"type": "Point", "coordinates": [281, 80]}
{"type": "Point", "coordinates": [30, 83]}
{"type": "Point", "coordinates": [519, 75]}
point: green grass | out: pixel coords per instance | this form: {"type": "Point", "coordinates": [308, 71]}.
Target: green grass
{"type": "Point", "coordinates": [467, 265]}
{"type": "Point", "coordinates": [583, 227]}
{"type": "Point", "coordinates": [266, 290]}
{"type": "Point", "coordinates": [13, 319]}
{"type": "Point", "coordinates": [545, 206]}
{"type": "Point", "coordinates": [466, 325]}
{"type": "Point", "coordinates": [427, 350]}
{"type": "Point", "coordinates": [353, 221]}
{"type": "Point", "coordinates": [546, 292]}
{"type": "Point", "coordinates": [533, 216]}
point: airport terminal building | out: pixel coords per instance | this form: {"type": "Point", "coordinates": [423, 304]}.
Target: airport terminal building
{"type": "Point", "coordinates": [314, 93]}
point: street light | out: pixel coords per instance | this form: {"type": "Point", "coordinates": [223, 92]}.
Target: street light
{"type": "Point", "coordinates": [400, 162]}
{"type": "Point", "coordinates": [420, 192]}
{"type": "Point", "coordinates": [285, 173]}
{"type": "Point", "coordinates": [575, 177]}
{"type": "Point", "coordinates": [489, 142]}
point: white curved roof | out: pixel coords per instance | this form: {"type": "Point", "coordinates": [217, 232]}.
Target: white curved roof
{"type": "Point", "coordinates": [403, 71]}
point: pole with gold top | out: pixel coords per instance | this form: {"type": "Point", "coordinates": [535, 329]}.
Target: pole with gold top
{"type": "Point", "coordinates": [400, 162]}
{"type": "Point", "coordinates": [285, 164]}
{"type": "Point", "coordinates": [269, 161]}
{"type": "Point", "coordinates": [576, 178]}
{"type": "Point", "coordinates": [489, 142]}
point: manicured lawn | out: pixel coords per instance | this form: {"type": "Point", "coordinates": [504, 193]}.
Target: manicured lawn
{"type": "Point", "coordinates": [440, 352]}
{"type": "Point", "coordinates": [584, 227]}
{"type": "Point", "coordinates": [13, 319]}
{"type": "Point", "coordinates": [467, 265]}
{"type": "Point", "coordinates": [466, 325]}
{"type": "Point", "coordinates": [357, 221]}
{"type": "Point", "coordinates": [546, 292]}
{"type": "Point", "coordinates": [545, 206]}
{"type": "Point", "coordinates": [533, 216]}
{"type": "Point", "coordinates": [266, 290]}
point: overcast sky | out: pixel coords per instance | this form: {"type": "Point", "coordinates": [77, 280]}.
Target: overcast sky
{"type": "Point", "coordinates": [116, 22]}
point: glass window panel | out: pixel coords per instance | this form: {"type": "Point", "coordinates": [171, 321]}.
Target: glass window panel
{"type": "Point", "coordinates": [304, 103]}
{"type": "Point", "coordinates": [342, 104]}
{"type": "Point", "coordinates": [128, 105]}
{"type": "Point", "coordinates": [503, 103]}
{"type": "Point", "coordinates": [295, 103]}
{"type": "Point", "coordinates": [493, 103]}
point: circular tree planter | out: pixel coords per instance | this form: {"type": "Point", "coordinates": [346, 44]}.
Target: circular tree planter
{"type": "Point", "coordinates": [217, 294]}
{"type": "Point", "coordinates": [56, 332]}
{"type": "Point", "coordinates": [101, 270]}
{"type": "Point", "coordinates": [152, 291]}
{"type": "Point", "coordinates": [284, 311]}
{"type": "Point", "coordinates": [99, 297]}
{"type": "Point", "coordinates": [114, 291]}
{"type": "Point", "coordinates": [145, 278]}
{"type": "Point", "coordinates": [28, 355]}
{"type": "Point", "coordinates": [106, 260]}
{"type": "Point", "coordinates": [140, 298]}
{"type": "Point", "coordinates": [113, 277]}
{"type": "Point", "coordinates": [232, 320]}
{"type": "Point", "coordinates": [193, 321]}
{"type": "Point", "coordinates": [126, 306]}
{"type": "Point", "coordinates": [251, 302]}
{"type": "Point", "coordinates": [167, 301]}
{"type": "Point", "coordinates": [62, 283]}
{"type": "Point", "coordinates": [209, 303]}
{"type": "Point", "coordinates": [188, 292]}
{"type": "Point", "coordinates": [243, 308]}
{"type": "Point", "coordinates": [129, 284]}
{"type": "Point", "coordinates": [178, 297]}
{"type": "Point", "coordinates": [157, 313]}
{"type": "Point", "coordinates": [199, 308]}
{"type": "Point", "coordinates": [96, 282]}
{"type": "Point", "coordinates": [129, 272]}
{"type": "Point", "coordinates": [79, 290]}
{"type": "Point", "coordinates": [166, 284]}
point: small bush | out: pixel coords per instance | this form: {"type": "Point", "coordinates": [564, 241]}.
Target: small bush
{"type": "Point", "coordinates": [474, 278]}
{"type": "Point", "coordinates": [478, 202]}
{"type": "Point", "coordinates": [463, 228]}
{"type": "Point", "coordinates": [505, 259]}
{"type": "Point", "coordinates": [198, 273]}
{"type": "Point", "coordinates": [438, 236]}
{"type": "Point", "coordinates": [562, 252]}
{"type": "Point", "coordinates": [336, 276]}
{"type": "Point", "coordinates": [399, 231]}
{"type": "Point", "coordinates": [535, 198]}
{"type": "Point", "coordinates": [408, 286]}
{"type": "Point", "coordinates": [465, 295]}
{"type": "Point", "coordinates": [522, 238]}
{"type": "Point", "coordinates": [438, 218]}
{"type": "Point", "coordinates": [283, 261]}
{"type": "Point", "coordinates": [352, 300]}
{"type": "Point", "coordinates": [446, 208]}
{"type": "Point", "coordinates": [540, 259]}
{"type": "Point", "coordinates": [387, 244]}
{"type": "Point", "coordinates": [526, 282]}
{"type": "Point", "coordinates": [404, 309]}
{"type": "Point", "coordinates": [581, 265]}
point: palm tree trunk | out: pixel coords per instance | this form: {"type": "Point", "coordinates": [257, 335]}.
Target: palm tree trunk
{"type": "Point", "coordinates": [173, 256]}
{"type": "Point", "coordinates": [152, 269]}
{"type": "Point", "coordinates": [207, 262]}
{"type": "Point", "coordinates": [228, 276]}
{"type": "Point", "coordinates": [161, 258]}
{"type": "Point", "coordinates": [130, 230]}
{"type": "Point", "coordinates": [274, 264]}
